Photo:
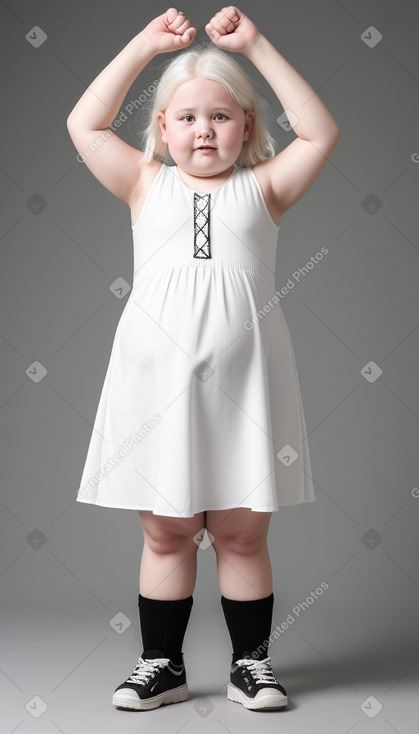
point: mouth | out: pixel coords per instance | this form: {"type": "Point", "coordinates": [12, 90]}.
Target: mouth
{"type": "Point", "coordinates": [205, 147]}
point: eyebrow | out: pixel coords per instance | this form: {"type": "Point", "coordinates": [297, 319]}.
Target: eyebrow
{"type": "Point", "coordinates": [192, 109]}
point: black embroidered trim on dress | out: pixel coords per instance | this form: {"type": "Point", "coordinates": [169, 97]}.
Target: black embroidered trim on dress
{"type": "Point", "coordinates": [201, 221]}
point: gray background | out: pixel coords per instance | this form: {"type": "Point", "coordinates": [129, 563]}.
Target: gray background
{"type": "Point", "coordinates": [67, 569]}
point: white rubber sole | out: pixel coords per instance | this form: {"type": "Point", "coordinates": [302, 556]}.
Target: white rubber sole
{"type": "Point", "coordinates": [126, 698]}
{"type": "Point", "coordinates": [269, 698]}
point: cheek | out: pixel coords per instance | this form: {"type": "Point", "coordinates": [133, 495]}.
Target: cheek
{"type": "Point", "coordinates": [233, 134]}
{"type": "Point", "coordinates": [180, 136]}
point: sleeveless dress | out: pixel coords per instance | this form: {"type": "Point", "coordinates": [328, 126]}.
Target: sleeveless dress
{"type": "Point", "coordinates": [200, 407]}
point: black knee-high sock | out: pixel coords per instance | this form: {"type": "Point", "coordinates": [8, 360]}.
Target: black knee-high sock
{"type": "Point", "coordinates": [249, 625]}
{"type": "Point", "coordinates": [163, 625]}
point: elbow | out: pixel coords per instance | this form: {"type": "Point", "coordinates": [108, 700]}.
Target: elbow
{"type": "Point", "coordinates": [329, 138]}
{"type": "Point", "coordinates": [73, 119]}
{"type": "Point", "coordinates": [69, 121]}
{"type": "Point", "coordinates": [336, 138]}
{"type": "Point", "coordinates": [333, 138]}
{"type": "Point", "coordinates": [336, 132]}
{"type": "Point", "coordinates": [327, 144]}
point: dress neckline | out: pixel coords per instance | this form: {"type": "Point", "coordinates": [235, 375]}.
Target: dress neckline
{"type": "Point", "coordinates": [204, 193]}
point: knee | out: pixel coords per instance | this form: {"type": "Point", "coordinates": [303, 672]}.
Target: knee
{"type": "Point", "coordinates": [164, 542]}
{"type": "Point", "coordinates": [242, 544]}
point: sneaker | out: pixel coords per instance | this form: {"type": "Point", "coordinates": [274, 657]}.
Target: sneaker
{"type": "Point", "coordinates": [154, 681]}
{"type": "Point", "coordinates": [254, 684]}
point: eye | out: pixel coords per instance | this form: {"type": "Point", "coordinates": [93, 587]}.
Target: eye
{"type": "Point", "coordinates": [219, 114]}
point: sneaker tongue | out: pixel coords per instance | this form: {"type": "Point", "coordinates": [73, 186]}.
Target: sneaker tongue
{"type": "Point", "coordinates": [246, 654]}
{"type": "Point", "coordinates": [153, 654]}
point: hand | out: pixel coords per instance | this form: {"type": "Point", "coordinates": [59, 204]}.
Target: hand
{"type": "Point", "coordinates": [232, 30]}
{"type": "Point", "coordinates": [169, 32]}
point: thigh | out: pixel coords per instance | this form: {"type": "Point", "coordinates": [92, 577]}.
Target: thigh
{"type": "Point", "coordinates": [162, 526]}
{"type": "Point", "coordinates": [239, 523]}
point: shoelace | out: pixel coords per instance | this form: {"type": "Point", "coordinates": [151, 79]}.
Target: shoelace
{"type": "Point", "coordinates": [260, 669]}
{"type": "Point", "coordinates": [145, 669]}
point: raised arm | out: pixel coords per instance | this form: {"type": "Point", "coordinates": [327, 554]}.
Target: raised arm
{"type": "Point", "coordinates": [295, 169]}
{"type": "Point", "coordinates": [292, 171]}
{"type": "Point", "coordinates": [112, 161]}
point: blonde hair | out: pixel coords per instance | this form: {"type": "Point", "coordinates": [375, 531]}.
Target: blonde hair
{"type": "Point", "coordinates": [209, 62]}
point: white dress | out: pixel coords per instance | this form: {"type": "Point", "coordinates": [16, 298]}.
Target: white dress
{"type": "Point", "coordinates": [200, 407]}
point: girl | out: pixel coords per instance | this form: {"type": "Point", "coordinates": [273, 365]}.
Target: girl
{"type": "Point", "coordinates": [200, 423]}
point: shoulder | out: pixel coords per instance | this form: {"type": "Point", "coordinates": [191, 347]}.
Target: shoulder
{"type": "Point", "coordinates": [263, 174]}
{"type": "Point", "coordinates": [148, 173]}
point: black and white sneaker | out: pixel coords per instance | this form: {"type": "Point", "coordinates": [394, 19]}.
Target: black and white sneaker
{"type": "Point", "coordinates": [154, 681]}
{"type": "Point", "coordinates": [254, 684]}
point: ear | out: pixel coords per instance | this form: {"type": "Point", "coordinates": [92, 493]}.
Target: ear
{"type": "Point", "coordinates": [162, 124]}
{"type": "Point", "coordinates": [248, 124]}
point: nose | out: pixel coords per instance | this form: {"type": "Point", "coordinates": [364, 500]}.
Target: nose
{"type": "Point", "coordinates": [204, 132]}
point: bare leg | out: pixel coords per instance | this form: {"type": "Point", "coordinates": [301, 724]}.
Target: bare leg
{"type": "Point", "coordinates": [244, 577]}
{"type": "Point", "coordinates": [243, 562]}
{"type": "Point", "coordinates": [168, 562]}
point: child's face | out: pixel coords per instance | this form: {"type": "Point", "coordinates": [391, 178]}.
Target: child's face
{"type": "Point", "coordinates": [195, 117]}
